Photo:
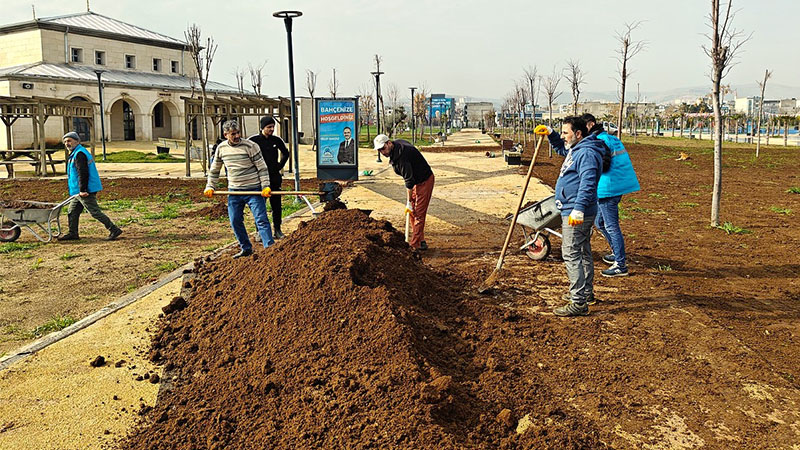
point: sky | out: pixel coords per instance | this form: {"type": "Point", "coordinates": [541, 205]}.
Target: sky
{"type": "Point", "coordinates": [472, 48]}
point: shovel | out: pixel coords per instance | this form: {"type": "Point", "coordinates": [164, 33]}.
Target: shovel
{"type": "Point", "coordinates": [408, 219]}
{"type": "Point", "coordinates": [487, 285]}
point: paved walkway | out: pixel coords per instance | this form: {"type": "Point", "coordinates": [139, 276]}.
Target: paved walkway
{"type": "Point", "coordinates": [55, 400]}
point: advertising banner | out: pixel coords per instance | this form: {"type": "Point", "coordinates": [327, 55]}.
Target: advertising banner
{"type": "Point", "coordinates": [337, 135]}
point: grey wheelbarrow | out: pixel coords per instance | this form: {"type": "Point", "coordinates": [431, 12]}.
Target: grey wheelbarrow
{"type": "Point", "coordinates": [539, 221]}
{"type": "Point", "coordinates": [17, 215]}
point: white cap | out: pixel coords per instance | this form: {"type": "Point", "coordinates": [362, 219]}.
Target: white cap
{"type": "Point", "coordinates": [380, 141]}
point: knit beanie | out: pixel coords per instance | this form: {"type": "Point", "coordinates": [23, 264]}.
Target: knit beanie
{"type": "Point", "coordinates": [72, 135]}
{"type": "Point", "coordinates": [267, 120]}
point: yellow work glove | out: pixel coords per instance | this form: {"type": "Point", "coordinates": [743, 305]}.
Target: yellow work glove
{"type": "Point", "coordinates": [266, 192]}
{"type": "Point", "coordinates": [542, 130]}
{"type": "Point", "coordinates": [208, 192]}
{"type": "Point", "coordinates": [575, 218]}
{"type": "Point", "coordinates": [409, 209]}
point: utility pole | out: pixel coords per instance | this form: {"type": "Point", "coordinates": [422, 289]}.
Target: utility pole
{"type": "Point", "coordinates": [413, 118]}
{"type": "Point", "coordinates": [377, 75]}
{"type": "Point", "coordinates": [287, 17]}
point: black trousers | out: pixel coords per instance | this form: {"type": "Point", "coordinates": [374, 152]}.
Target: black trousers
{"type": "Point", "coordinates": [275, 181]}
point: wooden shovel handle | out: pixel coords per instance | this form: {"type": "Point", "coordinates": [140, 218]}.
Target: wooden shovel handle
{"type": "Point", "coordinates": [519, 206]}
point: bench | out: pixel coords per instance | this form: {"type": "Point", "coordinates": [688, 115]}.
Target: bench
{"type": "Point", "coordinates": [9, 164]}
{"type": "Point", "coordinates": [165, 144]}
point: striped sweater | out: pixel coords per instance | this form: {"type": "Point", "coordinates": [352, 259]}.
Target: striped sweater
{"type": "Point", "coordinates": [246, 167]}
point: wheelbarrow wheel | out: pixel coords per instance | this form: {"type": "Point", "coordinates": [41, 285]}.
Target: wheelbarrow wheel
{"type": "Point", "coordinates": [9, 234]}
{"type": "Point", "coordinates": [539, 249]}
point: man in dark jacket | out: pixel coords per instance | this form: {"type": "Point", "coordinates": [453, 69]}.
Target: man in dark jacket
{"type": "Point", "coordinates": [84, 183]}
{"type": "Point", "coordinates": [347, 148]}
{"type": "Point", "coordinates": [576, 197]}
{"type": "Point", "coordinates": [271, 146]}
{"type": "Point", "coordinates": [409, 163]}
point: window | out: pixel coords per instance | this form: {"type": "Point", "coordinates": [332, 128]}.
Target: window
{"type": "Point", "coordinates": [175, 67]}
{"type": "Point", "coordinates": [77, 55]}
{"type": "Point", "coordinates": [156, 65]}
{"type": "Point", "coordinates": [130, 62]}
{"type": "Point", "coordinates": [99, 58]}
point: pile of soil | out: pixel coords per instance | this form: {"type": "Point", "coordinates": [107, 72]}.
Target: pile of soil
{"type": "Point", "coordinates": [340, 337]}
{"type": "Point", "coordinates": [18, 204]}
{"type": "Point", "coordinates": [214, 211]}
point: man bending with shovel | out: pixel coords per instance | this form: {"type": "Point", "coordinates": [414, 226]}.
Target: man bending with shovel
{"type": "Point", "coordinates": [247, 171]}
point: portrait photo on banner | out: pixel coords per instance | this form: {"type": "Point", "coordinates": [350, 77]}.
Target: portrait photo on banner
{"type": "Point", "coordinates": [338, 134]}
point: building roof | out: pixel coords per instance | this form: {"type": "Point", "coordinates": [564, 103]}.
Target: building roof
{"type": "Point", "coordinates": [49, 71]}
{"type": "Point", "coordinates": [94, 24]}
{"type": "Point", "coordinates": [98, 22]}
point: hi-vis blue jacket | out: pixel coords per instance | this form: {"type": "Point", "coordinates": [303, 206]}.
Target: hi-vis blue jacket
{"type": "Point", "coordinates": [78, 180]}
{"type": "Point", "coordinates": [620, 179]}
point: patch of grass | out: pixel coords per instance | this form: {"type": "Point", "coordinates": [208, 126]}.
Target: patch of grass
{"type": "Point", "coordinates": [624, 213]}
{"type": "Point", "coordinates": [167, 212]}
{"type": "Point", "coordinates": [11, 247]}
{"type": "Point", "coordinates": [127, 221]}
{"type": "Point", "coordinates": [118, 205]}
{"type": "Point", "coordinates": [167, 266]}
{"type": "Point", "coordinates": [793, 190]}
{"type": "Point", "coordinates": [130, 288]}
{"type": "Point", "coordinates": [688, 205]}
{"type": "Point", "coordinates": [657, 195]}
{"type": "Point", "coordinates": [131, 156]}
{"type": "Point", "coordinates": [730, 228]}
{"type": "Point", "coordinates": [37, 264]}
{"type": "Point", "coordinates": [633, 200]}
{"type": "Point", "coordinates": [664, 268]}
{"type": "Point", "coordinates": [67, 256]}
{"type": "Point", "coordinates": [779, 210]}
{"type": "Point", "coordinates": [91, 298]}
{"type": "Point", "coordinates": [642, 210]}
{"type": "Point", "coordinates": [211, 248]}
{"type": "Point", "coordinates": [54, 324]}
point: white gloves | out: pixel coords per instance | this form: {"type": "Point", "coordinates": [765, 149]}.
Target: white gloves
{"type": "Point", "coordinates": [409, 208]}
{"type": "Point", "coordinates": [575, 218]}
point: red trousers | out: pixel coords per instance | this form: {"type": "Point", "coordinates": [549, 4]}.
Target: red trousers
{"type": "Point", "coordinates": [420, 199]}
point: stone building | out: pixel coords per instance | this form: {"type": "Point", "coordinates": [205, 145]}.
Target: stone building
{"type": "Point", "coordinates": [144, 75]}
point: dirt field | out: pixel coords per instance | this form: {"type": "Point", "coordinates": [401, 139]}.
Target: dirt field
{"type": "Point", "coordinates": [697, 348]}
{"type": "Point", "coordinates": [45, 287]}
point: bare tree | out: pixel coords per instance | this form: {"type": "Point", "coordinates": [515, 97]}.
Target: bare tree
{"type": "Point", "coordinates": [421, 102]}
{"type": "Point", "coordinates": [379, 100]}
{"type": "Point", "coordinates": [239, 74]}
{"type": "Point", "coordinates": [522, 101]}
{"type": "Point", "coordinates": [574, 77]}
{"type": "Point", "coordinates": [202, 58]}
{"type": "Point", "coordinates": [256, 77]}
{"type": "Point", "coordinates": [366, 107]}
{"type": "Point", "coordinates": [551, 88]}
{"type": "Point", "coordinates": [531, 76]}
{"type": "Point", "coordinates": [725, 43]}
{"type": "Point", "coordinates": [763, 86]}
{"type": "Point", "coordinates": [311, 86]}
{"type": "Point", "coordinates": [628, 48]}
{"type": "Point", "coordinates": [394, 99]}
{"type": "Point", "coordinates": [333, 85]}
{"type": "Point", "coordinates": [636, 114]}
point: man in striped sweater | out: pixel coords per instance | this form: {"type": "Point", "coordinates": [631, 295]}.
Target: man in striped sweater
{"type": "Point", "coordinates": [247, 171]}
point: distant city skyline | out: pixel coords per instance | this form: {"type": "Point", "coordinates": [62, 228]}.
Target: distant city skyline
{"type": "Point", "coordinates": [464, 48]}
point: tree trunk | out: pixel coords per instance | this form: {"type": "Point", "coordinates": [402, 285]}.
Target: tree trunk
{"type": "Point", "coordinates": [682, 124]}
{"type": "Point", "coordinates": [785, 133]}
{"type": "Point", "coordinates": [716, 193]}
{"type": "Point", "coordinates": [204, 153]}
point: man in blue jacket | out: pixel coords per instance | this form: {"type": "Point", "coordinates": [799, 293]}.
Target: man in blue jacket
{"type": "Point", "coordinates": [576, 197]}
{"type": "Point", "coordinates": [618, 180]}
{"type": "Point", "coordinates": [84, 184]}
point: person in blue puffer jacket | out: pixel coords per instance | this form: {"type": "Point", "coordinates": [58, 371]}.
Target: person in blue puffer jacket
{"type": "Point", "coordinates": [618, 180]}
{"type": "Point", "coordinates": [576, 197]}
{"type": "Point", "coordinates": [84, 183]}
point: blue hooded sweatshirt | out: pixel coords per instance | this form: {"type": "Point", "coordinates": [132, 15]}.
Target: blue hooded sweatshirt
{"type": "Point", "coordinates": [576, 187]}
{"type": "Point", "coordinates": [620, 178]}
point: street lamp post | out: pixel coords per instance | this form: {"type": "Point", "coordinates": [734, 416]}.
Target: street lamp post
{"type": "Point", "coordinates": [102, 111]}
{"type": "Point", "coordinates": [413, 124]}
{"type": "Point", "coordinates": [377, 75]}
{"type": "Point", "coordinates": [287, 17]}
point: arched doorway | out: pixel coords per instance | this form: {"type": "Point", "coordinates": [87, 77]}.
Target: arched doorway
{"type": "Point", "coordinates": [80, 125]}
{"type": "Point", "coordinates": [163, 114]}
{"type": "Point", "coordinates": [123, 120]}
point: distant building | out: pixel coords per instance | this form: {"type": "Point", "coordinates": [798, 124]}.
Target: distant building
{"type": "Point", "coordinates": [475, 112]}
{"type": "Point", "coordinates": [789, 107]}
{"type": "Point", "coordinates": [145, 74]}
{"type": "Point", "coordinates": [746, 105]}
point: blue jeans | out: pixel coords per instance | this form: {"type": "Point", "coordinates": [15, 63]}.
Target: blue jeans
{"type": "Point", "coordinates": [236, 213]}
{"type": "Point", "coordinates": [576, 250]}
{"type": "Point", "coordinates": [607, 222]}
